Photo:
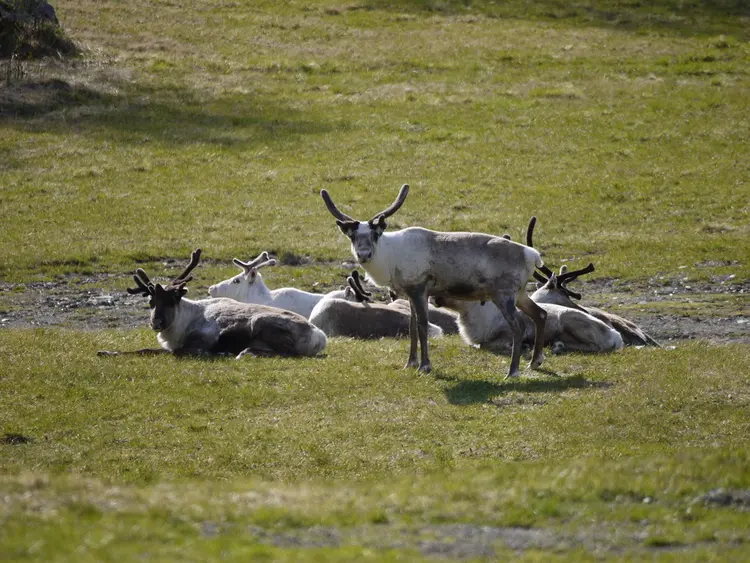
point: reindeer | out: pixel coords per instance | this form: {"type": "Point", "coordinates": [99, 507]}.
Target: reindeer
{"type": "Point", "coordinates": [566, 330]}
{"type": "Point", "coordinates": [553, 289]}
{"type": "Point", "coordinates": [221, 326]}
{"type": "Point", "coordinates": [249, 287]}
{"type": "Point", "coordinates": [445, 319]}
{"type": "Point", "coordinates": [418, 263]}
{"type": "Point", "coordinates": [353, 314]}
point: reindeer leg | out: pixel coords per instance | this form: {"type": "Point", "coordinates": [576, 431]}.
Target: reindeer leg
{"type": "Point", "coordinates": [141, 352]}
{"type": "Point", "coordinates": [412, 361]}
{"type": "Point", "coordinates": [507, 307]}
{"type": "Point", "coordinates": [420, 308]}
{"type": "Point", "coordinates": [257, 348]}
{"type": "Point", "coordinates": [539, 316]}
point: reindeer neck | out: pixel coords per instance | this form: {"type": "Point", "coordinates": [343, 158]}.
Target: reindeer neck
{"type": "Point", "coordinates": [187, 314]}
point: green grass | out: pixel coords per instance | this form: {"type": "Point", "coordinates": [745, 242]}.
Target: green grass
{"type": "Point", "coordinates": [628, 141]}
{"type": "Point", "coordinates": [620, 447]}
{"type": "Point", "coordinates": [622, 125]}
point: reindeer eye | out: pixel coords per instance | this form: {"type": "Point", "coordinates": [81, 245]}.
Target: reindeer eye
{"type": "Point", "coordinates": [236, 281]}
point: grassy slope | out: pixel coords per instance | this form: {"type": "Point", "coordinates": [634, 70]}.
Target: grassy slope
{"type": "Point", "coordinates": [621, 448]}
{"type": "Point", "coordinates": [215, 124]}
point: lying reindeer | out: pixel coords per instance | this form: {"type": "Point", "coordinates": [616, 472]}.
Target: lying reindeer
{"type": "Point", "coordinates": [445, 319]}
{"type": "Point", "coordinates": [566, 330]}
{"type": "Point", "coordinates": [221, 326]}
{"type": "Point", "coordinates": [352, 314]}
{"type": "Point", "coordinates": [249, 287]}
{"type": "Point", "coordinates": [553, 289]}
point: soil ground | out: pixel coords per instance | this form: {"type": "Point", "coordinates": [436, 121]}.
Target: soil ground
{"type": "Point", "coordinates": [669, 310]}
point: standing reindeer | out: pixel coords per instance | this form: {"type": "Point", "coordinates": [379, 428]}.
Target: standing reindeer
{"type": "Point", "coordinates": [418, 263]}
{"type": "Point", "coordinates": [553, 289]}
{"type": "Point", "coordinates": [221, 326]}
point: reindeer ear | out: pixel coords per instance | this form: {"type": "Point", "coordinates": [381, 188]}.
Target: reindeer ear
{"type": "Point", "coordinates": [378, 224]}
{"type": "Point", "coordinates": [348, 292]}
{"type": "Point", "coordinates": [347, 227]}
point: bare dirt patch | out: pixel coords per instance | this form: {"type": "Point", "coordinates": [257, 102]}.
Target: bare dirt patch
{"type": "Point", "coordinates": [456, 541]}
{"type": "Point", "coordinates": [668, 310]}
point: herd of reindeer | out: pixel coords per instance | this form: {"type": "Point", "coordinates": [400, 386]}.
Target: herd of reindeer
{"type": "Point", "coordinates": [473, 284]}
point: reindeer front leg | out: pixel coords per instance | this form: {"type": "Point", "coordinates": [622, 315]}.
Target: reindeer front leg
{"type": "Point", "coordinates": [422, 322]}
{"type": "Point", "coordinates": [412, 361]}
{"type": "Point", "coordinates": [419, 316]}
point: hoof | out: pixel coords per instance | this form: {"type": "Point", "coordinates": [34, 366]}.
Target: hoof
{"type": "Point", "coordinates": [425, 368]}
{"type": "Point", "coordinates": [537, 362]}
{"type": "Point", "coordinates": [245, 353]}
{"type": "Point", "coordinates": [512, 375]}
{"type": "Point", "coordinates": [411, 365]}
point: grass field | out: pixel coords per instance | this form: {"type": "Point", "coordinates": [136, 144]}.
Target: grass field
{"type": "Point", "coordinates": [623, 126]}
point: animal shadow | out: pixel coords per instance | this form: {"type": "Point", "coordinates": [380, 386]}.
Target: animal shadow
{"type": "Point", "coordinates": [478, 391]}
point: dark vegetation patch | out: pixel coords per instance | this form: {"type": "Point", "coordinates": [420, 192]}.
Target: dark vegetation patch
{"type": "Point", "coordinates": [727, 497]}
{"type": "Point", "coordinates": [33, 99]}
{"type": "Point", "coordinates": [291, 259]}
{"type": "Point", "coordinates": [29, 29]}
{"type": "Point", "coordinates": [680, 17]}
{"type": "Point", "coordinates": [14, 439]}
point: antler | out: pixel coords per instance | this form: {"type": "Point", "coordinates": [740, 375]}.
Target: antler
{"type": "Point", "coordinates": [391, 209]}
{"type": "Point", "coordinates": [333, 209]}
{"type": "Point", "coordinates": [145, 287]}
{"type": "Point", "coordinates": [529, 242]}
{"type": "Point", "coordinates": [183, 278]}
{"type": "Point", "coordinates": [247, 266]}
{"type": "Point", "coordinates": [569, 292]}
{"type": "Point", "coordinates": [358, 280]}
{"type": "Point", "coordinates": [565, 277]}
{"type": "Point", "coordinates": [358, 292]}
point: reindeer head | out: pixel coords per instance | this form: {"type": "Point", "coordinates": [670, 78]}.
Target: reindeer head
{"type": "Point", "coordinates": [241, 285]}
{"type": "Point", "coordinates": [364, 235]}
{"type": "Point", "coordinates": [552, 288]}
{"type": "Point", "coordinates": [164, 300]}
{"type": "Point", "coordinates": [355, 291]}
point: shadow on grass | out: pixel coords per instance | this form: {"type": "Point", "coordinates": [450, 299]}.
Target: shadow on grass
{"type": "Point", "coordinates": [683, 17]}
{"type": "Point", "coordinates": [137, 114]}
{"type": "Point", "coordinates": [469, 392]}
